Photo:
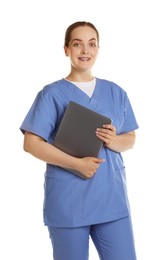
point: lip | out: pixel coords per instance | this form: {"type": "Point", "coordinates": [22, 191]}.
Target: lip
{"type": "Point", "coordinates": [84, 58]}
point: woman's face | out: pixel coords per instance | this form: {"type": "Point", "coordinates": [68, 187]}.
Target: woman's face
{"type": "Point", "coordinates": [83, 48]}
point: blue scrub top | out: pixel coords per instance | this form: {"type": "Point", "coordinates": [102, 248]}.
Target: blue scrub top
{"type": "Point", "coordinates": [69, 200]}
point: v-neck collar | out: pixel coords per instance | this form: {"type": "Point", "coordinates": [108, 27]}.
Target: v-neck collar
{"type": "Point", "coordinates": [81, 94]}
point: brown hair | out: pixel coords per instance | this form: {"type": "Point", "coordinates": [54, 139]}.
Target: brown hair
{"type": "Point", "coordinates": [74, 26]}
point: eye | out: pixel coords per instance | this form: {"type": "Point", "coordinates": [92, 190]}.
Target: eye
{"type": "Point", "coordinates": [77, 44]}
{"type": "Point", "coordinates": [92, 44]}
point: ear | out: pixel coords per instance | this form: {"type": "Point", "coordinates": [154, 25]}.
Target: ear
{"type": "Point", "coordinates": [66, 51]}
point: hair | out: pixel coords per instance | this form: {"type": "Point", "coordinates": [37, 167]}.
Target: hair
{"type": "Point", "coordinates": [76, 25]}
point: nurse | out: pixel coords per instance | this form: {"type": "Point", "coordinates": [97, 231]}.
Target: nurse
{"type": "Point", "coordinates": [76, 208]}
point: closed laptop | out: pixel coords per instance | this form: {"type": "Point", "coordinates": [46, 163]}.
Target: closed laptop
{"type": "Point", "coordinates": [76, 134]}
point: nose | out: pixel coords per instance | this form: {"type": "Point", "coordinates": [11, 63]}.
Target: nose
{"type": "Point", "coordinates": [85, 49]}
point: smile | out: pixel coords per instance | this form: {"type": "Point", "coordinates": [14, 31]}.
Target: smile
{"type": "Point", "coordinates": [84, 58]}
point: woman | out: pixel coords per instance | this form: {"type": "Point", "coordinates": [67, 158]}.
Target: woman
{"type": "Point", "coordinates": [76, 208]}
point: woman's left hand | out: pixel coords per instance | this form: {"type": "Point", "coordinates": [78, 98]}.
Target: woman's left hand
{"type": "Point", "coordinates": [107, 134]}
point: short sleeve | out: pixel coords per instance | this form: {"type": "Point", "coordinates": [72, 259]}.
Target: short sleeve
{"type": "Point", "coordinates": [41, 117]}
{"type": "Point", "coordinates": [129, 122]}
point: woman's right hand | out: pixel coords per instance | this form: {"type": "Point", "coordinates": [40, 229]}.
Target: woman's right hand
{"type": "Point", "coordinates": [44, 151]}
{"type": "Point", "coordinates": [89, 165]}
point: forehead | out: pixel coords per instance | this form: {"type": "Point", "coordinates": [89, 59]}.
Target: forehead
{"type": "Point", "coordinates": [83, 33]}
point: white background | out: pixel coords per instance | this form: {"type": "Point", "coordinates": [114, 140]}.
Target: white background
{"type": "Point", "coordinates": [31, 55]}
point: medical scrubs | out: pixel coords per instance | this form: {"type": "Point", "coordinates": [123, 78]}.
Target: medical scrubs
{"type": "Point", "coordinates": [71, 201]}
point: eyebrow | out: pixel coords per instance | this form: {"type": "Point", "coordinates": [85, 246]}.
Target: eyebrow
{"type": "Point", "coordinates": [76, 39]}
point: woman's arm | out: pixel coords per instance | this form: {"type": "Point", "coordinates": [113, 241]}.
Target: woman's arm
{"type": "Point", "coordinates": [117, 143]}
{"type": "Point", "coordinates": [46, 152]}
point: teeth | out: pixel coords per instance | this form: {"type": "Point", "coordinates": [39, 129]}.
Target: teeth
{"type": "Point", "coordinates": [84, 59]}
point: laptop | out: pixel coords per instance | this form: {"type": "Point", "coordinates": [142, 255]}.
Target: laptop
{"type": "Point", "coordinates": [76, 133]}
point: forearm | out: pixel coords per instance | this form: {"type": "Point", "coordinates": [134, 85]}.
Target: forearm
{"type": "Point", "coordinates": [122, 142]}
{"type": "Point", "coordinates": [47, 152]}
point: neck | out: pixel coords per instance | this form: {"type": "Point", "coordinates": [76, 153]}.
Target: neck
{"type": "Point", "coordinates": [80, 76]}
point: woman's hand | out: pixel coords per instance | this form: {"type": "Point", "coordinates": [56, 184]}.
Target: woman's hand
{"type": "Point", "coordinates": [107, 134]}
{"type": "Point", "coordinates": [44, 151]}
{"type": "Point", "coordinates": [117, 143]}
{"type": "Point", "coordinates": [89, 165]}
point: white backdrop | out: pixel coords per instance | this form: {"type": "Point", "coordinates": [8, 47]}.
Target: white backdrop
{"type": "Point", "coordinates": [31, 55]}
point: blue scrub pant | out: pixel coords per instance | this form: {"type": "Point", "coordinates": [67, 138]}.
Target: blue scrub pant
{"type": "Point", "coordinates": [113, 241]}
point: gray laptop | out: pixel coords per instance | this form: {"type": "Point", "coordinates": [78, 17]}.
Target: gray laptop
{"type": "Point", "coordinates": [76, 134]}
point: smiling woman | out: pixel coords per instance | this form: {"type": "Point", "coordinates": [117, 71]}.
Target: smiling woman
{"type": "Point", "coordinates": [97, 205]}
{"type": "Point", "coordinates": [82, 48]}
